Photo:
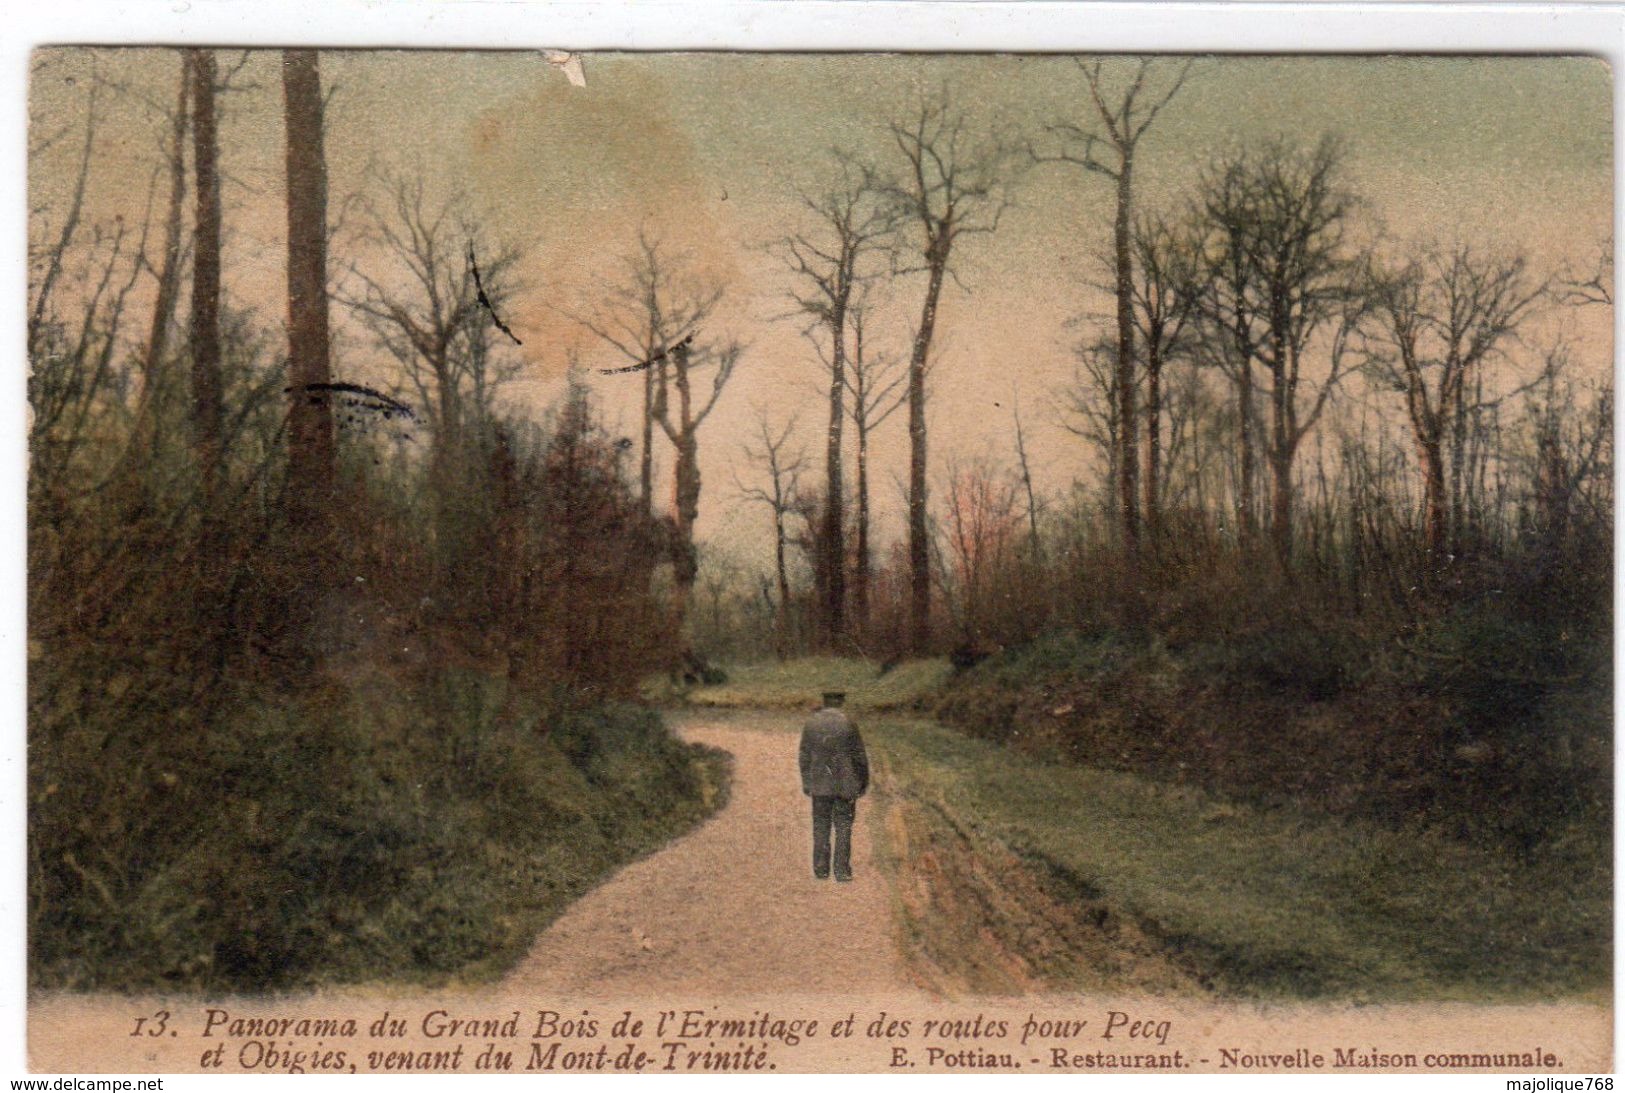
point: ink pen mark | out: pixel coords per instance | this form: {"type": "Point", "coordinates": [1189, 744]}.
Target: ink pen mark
{"type": "Point", "coordinates": [379, 402]}
{"type": "Point", "coordinates": [654, 359]}
{"type": "Point", "coordinates": [485, 301]}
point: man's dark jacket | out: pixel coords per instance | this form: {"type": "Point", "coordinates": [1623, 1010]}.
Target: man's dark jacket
{"type": "Point", "coordinates": [833, 762]}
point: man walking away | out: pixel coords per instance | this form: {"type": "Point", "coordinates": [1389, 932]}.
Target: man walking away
{"type": "Point", "coordinates": [834, 773]}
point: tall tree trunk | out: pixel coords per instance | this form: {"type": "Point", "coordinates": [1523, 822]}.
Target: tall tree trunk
{"type": "Point", "coordinates": [169, 276]}
{"type": "Point", "coordinates": [1281, 502]}
{"type": "Point", "coordinates": [310, 419]}
{"type": "Point", "coordinates": [1435, 519]}
{"type": "Point", "coordinates": [686, 487]}
{"type": "Point", "coordinates": [782, 645]}
{"type": "Point", "coordinates": [1027, 484]}
{"type": "Point", "coordinates": [1153, 443]}
{"type": "Point", "coordinates": [206, 382]}
{"type": "Point", "coordinates": [1193, 427]}
{"type": "Point", "coordinates": [1280, 446]}
{"type": "Point", "coordinates": [860, 569]}
{"type": "Point", "coordinates": [449, 463]}
{"type": "Point", "coordinates": [919, 546]}
{"type": "Point", "coordinates": [1478, 464]}
{"type": "Point", "coordinates": [1458, 454]}
{"type": "Point", "coordinates": [647, 456]}
{"type": "Point", "coordinates": [687, 497]}
{"type": "Point", "coordinates": [834, 537]}
{"type": "Point", "coordinates": [1245, 501]}
{"type": "Point", "coordinates": [448, 439]}
{"type": "Point", "coordinates": [1128, 459]}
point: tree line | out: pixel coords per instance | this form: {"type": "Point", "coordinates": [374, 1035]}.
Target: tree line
{"type": "Point", "coordinates": [1239, 397]}
{"type": "Point", "coordinates": [1277, 382]}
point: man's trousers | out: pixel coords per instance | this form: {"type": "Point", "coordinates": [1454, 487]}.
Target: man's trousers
{"type": "Point", "coordinates": [837, 813]}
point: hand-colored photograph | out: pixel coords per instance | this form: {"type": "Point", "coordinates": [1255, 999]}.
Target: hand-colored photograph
{"type": "Point", "coordinates": [688, 562]}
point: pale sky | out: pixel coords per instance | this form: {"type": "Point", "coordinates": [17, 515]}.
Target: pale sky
{"type": "Point", "coordinates": [704, 149]}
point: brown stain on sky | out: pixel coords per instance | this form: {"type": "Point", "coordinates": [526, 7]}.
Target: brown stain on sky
{"type": "Point", "coordinates": [628, 165]}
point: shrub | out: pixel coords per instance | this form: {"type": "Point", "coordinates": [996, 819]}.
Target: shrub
{"type": "Point", "coordinates": [307, 842]}
{"type": "Point", "coordinates": [267, 752]}
{"type": "Point", "coordinates": [1488, 723]}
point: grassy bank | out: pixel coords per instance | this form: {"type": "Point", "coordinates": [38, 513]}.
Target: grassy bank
{"type": "Point", "coordinates": [1482, 723]}
{"type": "Point", "coordinates": [370, 831]}
{"type": "Point", "coordinates": [1017, 872]}
{"type": "Point", "coordinates": [797, 684]}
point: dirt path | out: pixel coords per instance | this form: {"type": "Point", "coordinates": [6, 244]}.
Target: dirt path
{"type": "Point", "coordinates": [734, 902]}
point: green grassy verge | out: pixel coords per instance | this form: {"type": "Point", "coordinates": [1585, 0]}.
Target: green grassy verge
{"type": "Point", "coordinates": [798, 683]}
{"type": "Point", "coordinates": [1242, 900]}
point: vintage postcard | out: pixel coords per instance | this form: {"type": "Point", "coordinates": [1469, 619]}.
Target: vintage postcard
{"type": "Point", "coordinates": [737, 562]}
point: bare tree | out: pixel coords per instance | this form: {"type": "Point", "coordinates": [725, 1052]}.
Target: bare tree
{"type": "Point", "coordinates": [1089, 407]}
{"type": "Point", "coordinates": [676, 371]}
{"type": "Point", "coordinates": [310, 419]}
{"type": "Point", "coordinates": [1164, 295]}
{"type": "Point", "coordinates": [424, 305]}
{"type": "Point", "coordinates": [1231, 325]}
{"type": "Point", "coordinates": [1571, 466]}
{"type": "Point", "coordinates": [73, 360]}
{"type": "Point", "coordinates": [656, 298]}
{"type": "Point", "coordinates": [783, 469]}
{"type": "Point", "coordinates": [55, 255]}
{"type": "Point", "coordinates": [1194, 436]}
{"type": "Point", "coordinates": [169, 273]}
{"type": "Point", "coordinates": [725, 582]}
{"type": "Point", "coordinates": [1574, 455]}
{"type": "Point", "coordinates": [1594, 287]}
{"type": "Point", "coordinates": [875, 383]}
{"type": "Point", "coordinates": [207, 407]}
{"type": "Point", "coordinates": [1279, 274]}
{"type": "Point", "coordinates": [1025, 467]}
{"type": "Point", "coordinates": [651, 315]}
{"type": "Point", "coordinates": [1126, 118]}
{"type": "Point", "coordinates": [1437, 322]}
{"type": "Point", "coordinates": [953, 185]}
{"type": "Point", "coordinates": [851, 222]}
{"type": "Point", "coordinates": [980, 529]}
